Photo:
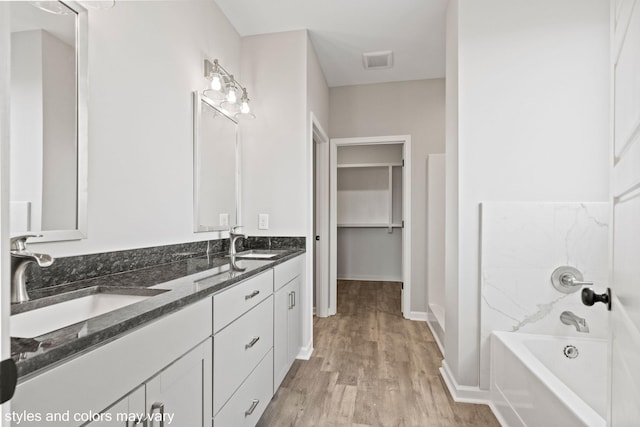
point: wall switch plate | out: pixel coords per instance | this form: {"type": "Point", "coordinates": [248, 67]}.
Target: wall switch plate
{"type": "Point", "coordinates": [224, 220]}
{"type": "Point", "coordinates": [263, 221]}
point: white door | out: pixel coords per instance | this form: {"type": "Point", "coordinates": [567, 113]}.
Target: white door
{"type": "Point", "coordinates": [625, 278]}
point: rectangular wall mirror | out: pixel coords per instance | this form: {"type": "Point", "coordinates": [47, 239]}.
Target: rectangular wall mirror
{"type": "Point", "coordinates": [216, 167]}
{"type": "Point", "coordinates": [48, 140]}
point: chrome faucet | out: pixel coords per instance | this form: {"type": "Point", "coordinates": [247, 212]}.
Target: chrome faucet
{"type": "Point", "coordinates": [568, 318]}
{"type": "Point", "coordinates": [233, 237]}
{"type": "Point", "coordinates": [21, 258]}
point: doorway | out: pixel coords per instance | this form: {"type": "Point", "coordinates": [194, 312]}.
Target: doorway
{"type": "Point", "coordinates": [370, 205]}
{"type": "Point", "coordinates": [320, 218]}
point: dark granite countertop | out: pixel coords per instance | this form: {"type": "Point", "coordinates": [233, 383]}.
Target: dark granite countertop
{"type": "Point", "coordinates": [169, 287]}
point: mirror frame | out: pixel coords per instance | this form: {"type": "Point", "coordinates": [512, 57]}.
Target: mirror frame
{"type": "Point", "coordinates": [82, 134]}
{"type": "Point", "coordinates": [198, 99]}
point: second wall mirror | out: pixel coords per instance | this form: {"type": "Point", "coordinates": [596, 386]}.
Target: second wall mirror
{"type": "Point", "coordinates": [216, 167]}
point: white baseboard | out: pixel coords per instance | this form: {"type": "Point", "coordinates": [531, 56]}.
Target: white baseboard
{"type": "Point", "coordinates": [421, 316]}
{"type": "Point", "coordinates": [305, 352]}
{"type": "Point", "coordinates": [468, 394]}
{"type": "Point", "coordinates": [463, 393]}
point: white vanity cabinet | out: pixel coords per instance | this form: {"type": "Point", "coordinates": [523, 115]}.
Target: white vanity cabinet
{"type": "Point", "coordinates": [217, 361]}
{"type": "Point", "coordinates": [180, 394]}
{"type": "Point", "coordinates": [133, 403]}
{"type": "Point", "coordinates": [243, 343]}
{"type": "Point", "coordinates": [93, 381]}
{"type": "Point", "coordinates": [287, 283]}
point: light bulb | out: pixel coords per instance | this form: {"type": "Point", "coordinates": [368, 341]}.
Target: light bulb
{"type": "Point", "coordinates": [245, 107]}
{"type": "Point", "coordinates": [231, 96]}
{"type": "Point", "coordinates": [216, 84]}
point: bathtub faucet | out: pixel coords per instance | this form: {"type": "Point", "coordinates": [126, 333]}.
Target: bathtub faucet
{"type": "Point", "coordinates": [568, 318]}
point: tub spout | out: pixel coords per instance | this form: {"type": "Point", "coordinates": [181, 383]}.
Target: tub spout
{"type": "Point", "coordinates": [569, 318]}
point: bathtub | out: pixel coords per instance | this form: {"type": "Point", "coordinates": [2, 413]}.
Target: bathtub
{"type": "Point", "coordinates": [539, 380]}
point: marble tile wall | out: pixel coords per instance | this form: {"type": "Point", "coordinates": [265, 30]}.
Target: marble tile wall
{"type": "Point", "coordinates": [521, 245]}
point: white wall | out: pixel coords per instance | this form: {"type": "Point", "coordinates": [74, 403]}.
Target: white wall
{"type": "Point", "coordinates": [435, 236]}
{"type": "Point", "coordinates": [145, 59]}
{"type": "Point", "coordinates": [287, 85]}
{"type": "Point", "coordinates": [274, 145]}
{"type": "Point", "coordinates": [452, 244]}
{"type": "Point", "coordinates": [415, 108]}
{"type": "Point", "coordinates": [533, 105]}
{"type": "Point", "coordinates": [317, 89]}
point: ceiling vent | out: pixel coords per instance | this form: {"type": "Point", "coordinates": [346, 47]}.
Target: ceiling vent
{"type": "Point", "coordinates": [377, 60]}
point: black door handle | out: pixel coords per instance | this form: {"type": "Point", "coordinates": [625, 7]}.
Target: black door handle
{"type": "Point", "coordinates": [589, 297]}
{"type": "Point", "coordinates": [8, 379]}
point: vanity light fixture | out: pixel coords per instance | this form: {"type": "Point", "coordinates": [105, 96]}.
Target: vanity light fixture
{"type": "Point", "coordinates": [245, 110]}
{"type": "Point", "coordinates": [59, 8]}
{"type": "Point", "coordinates": [225, 89]}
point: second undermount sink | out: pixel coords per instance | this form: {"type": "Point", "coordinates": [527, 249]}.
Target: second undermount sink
{"type": "Point", "coordinates": [257, 253]}
{"type": "Point", "coordinates": [42, 320]}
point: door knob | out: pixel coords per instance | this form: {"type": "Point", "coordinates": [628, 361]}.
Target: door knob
{"type": "Point", "coordinates": [589, 297]}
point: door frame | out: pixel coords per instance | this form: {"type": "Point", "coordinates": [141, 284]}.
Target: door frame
{"type": "Point", "coordinates": [320, 213]}
{"type": "Point", "coordinates": [405, 140]}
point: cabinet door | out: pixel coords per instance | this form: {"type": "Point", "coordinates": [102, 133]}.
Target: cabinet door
{"type": "Point", "coordinates": [293, 320]}
{"type": "Point", "coordinates": [282, 305]}
{"type": "Point", "coordinates": [127, 412]}
{"type": "Point", "coordinates": [181, 393]}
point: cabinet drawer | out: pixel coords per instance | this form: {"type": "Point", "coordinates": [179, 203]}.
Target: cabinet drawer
{"type": "Point", "coordinates": [247, 405]}
{"type": "Point", "coordinates": [231, 303]}
{"type": "Point", "coordinates": [238, 348]}
{"type": "Point", "coordinates": [285, 272]}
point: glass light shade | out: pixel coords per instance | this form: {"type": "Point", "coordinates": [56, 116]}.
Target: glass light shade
{"type": "Point", "coordinates": [216, 84]}
{"type": "Point", "coordinates": [232, 97]}
{"type": "Point", "coordinates": [245, 109]}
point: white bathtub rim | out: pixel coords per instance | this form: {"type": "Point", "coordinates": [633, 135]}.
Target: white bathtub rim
{"type": "Point", "coordinates": [568, 397]}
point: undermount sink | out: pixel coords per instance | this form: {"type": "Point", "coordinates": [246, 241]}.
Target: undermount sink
{"type": "Point", "coordinates": [256, 253]}
{"type": "Point", "coordinates": [40, 321]}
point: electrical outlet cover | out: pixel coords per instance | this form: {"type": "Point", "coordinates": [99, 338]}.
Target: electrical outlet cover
{"type": "Point", "coordinates": [263, 221]}
{"type": "Point", "coordinates": [224, 220]}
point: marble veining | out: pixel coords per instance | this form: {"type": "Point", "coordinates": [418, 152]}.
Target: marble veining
{"type": "Point", "coordinates": [521, 245]}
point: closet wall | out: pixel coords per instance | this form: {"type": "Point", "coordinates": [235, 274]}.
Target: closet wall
{"type": "Point", "coordinates": [369, 212]}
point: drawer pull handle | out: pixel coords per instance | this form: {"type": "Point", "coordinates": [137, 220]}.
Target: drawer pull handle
{"type": "Point", "coordinates": [290, 300]}
{"type": "Point", "coordinates": [154, 407]}
{"type": "Point", "coordinates": [252, 343]}
{"type": "Point", "coordinates": [254, 404]}
{"type": "Point", "coordinates": [251, 295]}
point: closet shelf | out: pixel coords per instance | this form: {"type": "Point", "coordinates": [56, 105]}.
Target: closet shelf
{"type": "Point", "coordinates": [369, 165]}
{"type": "Point", "coordinates": [371, 225]}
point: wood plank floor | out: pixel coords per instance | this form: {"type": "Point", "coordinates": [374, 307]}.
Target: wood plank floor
{"type": "Point", "coordinates": [370, 367]}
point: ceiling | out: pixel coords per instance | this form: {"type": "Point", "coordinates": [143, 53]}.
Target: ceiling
{"type": "Point", "coordinates": [342, 30]}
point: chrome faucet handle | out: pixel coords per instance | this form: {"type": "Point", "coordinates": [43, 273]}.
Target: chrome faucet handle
{"type": "Point", "coordinates": [234, 228]}
{"type": "Point", "coordinates": [19, 243]}
{"type": "Point", "coordinates": [569, 279]}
